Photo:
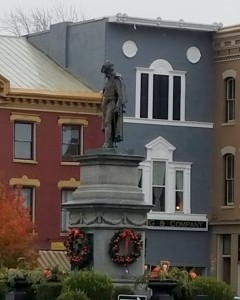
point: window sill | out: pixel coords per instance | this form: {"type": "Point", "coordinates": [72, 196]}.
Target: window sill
{"type": "Point", "coordinates": [230, 123]}
{"type": "Point", "coordinates": [227, 207]}
{"type": "Point", "coordinates": [194, 124]}
{"type": "Point", "coordinates": [69, 163]}
{"type": "Point", "coordinates": [25, 161]}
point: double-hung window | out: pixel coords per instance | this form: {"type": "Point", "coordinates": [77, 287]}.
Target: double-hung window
{"type": "Point", "coordinates": [67, 188]}
{"type": "Point", "coordinates": [27, 187]}
{"type": "Point", "coordinates": [24, 136]}
{"type": "Point", "coordinates": [28, 194]}
{"type": "Point", "coordinates": [66, 196]}
{"type": "Point", "coordinates": [165, 183]}
{"type": "Point", "coordinates": [23, 140]}
{"type": "Point", "coordinates": [158, 185]}
{"type": "Point", "coordinates": [72, 138]}
{"type": "Point", "coordinates": [160, 92]}
{"type": "Point", "coordinates": [71, 142]}
{"type": "Point", "coordinates": [179, 190]}
{"type": "Point", "coordinates": [230, 99]}
{"type": "Point", "coordinates": [229, 179]}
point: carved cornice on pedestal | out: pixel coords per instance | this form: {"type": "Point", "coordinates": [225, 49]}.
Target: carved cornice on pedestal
{"type": "Point", "coordinates": [111, 219]}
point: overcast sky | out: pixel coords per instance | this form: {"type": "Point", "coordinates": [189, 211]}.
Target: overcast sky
{"type": "Point", "coordinates": [197, 11]}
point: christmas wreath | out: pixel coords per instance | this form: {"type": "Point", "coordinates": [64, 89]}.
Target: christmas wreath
{"type": "Point", "coordinates": [131, 247]}
{"type": "Point", "coordinates": [78, 247]}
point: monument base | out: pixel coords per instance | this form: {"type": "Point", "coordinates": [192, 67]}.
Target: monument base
{"type": "Point", "coordinates": [108, 200]}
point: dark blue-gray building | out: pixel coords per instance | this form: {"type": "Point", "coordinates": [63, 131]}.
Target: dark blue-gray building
{"type": "Point", "coordinates": [168, 70]}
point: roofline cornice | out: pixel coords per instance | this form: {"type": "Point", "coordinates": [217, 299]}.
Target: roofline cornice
{"type": "Point", "coordinates": [87, 103]}
{"type": "Point", "coordinates": [181, 24]}
{"type": "Point", "coordinates": [79, 96]}
{"type": "Point", "coordinates": [229, 29]}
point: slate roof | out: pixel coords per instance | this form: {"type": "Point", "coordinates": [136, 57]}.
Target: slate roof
{"type": "Point", "coordinates": [28, 68]}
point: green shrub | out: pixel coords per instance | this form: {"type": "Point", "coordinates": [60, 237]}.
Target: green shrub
{"type": "Point", "coordinates": [94, 285]}
{"type": "Point", "coordinates": [121, 290]}
{"type": "Point", "coordinates": [73, 295]}
{"type": "Point", "coordinates": [3, 289]}
{"type": "Point", "coordinates": [49, 291]}
{"type": "Point", "coordinates": [212, 287]}
{"type": "Point", "coordinates": [32, 292]}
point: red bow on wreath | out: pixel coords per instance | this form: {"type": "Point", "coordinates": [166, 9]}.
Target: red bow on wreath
{"type": "Point", "coordinates": [127, 233]}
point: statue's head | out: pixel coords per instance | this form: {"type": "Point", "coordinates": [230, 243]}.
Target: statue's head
{"type": "Point", "coordinates": [107, 67]}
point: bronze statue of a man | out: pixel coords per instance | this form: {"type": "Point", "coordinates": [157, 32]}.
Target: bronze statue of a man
{"type": "Point", "coordinates": [113, 106]}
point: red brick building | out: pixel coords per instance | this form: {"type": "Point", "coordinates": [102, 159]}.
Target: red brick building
{"type": "Point", "coordinates": [47, 118]}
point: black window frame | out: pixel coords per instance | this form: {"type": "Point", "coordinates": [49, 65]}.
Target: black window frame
{"type": "Point", "coordinates": [78, 145]}
{"type": "Point", "coordinates": [18, 140]}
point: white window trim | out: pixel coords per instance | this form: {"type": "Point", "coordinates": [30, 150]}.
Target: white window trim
{"type": "Point", "coordinates": [186, 168]}
{"type": "Point", "coordinates": [161, 150]}
{"type": "Point", "coordinates": [171, 74]}
{"type": "Point", "coordinates": [182, 74]}
{"type": "Point", "coordinates": [139, 71]}
{"type": "Point", "coordinates": [192, 124]}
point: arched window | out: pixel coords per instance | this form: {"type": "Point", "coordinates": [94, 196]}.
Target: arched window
{"type": "Point", "coordinates": [160, 92]}
{"type": "Point", "coordinates": [230, 98]}
{"type": "Point", "coordinates": [229, 179]}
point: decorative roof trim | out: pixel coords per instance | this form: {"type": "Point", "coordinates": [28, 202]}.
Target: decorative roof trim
{"type": "Point", "coordinates": [160, 142]}
{"type": "Point", "coordinates": [227, 58]}
{"type": "Point", "coordinates": [56, 104]}
{"type": "Point", "coordinates": [55, 94]}
{"type": "Point", "coordinates": [229, 29]}
{"type": "Point", "coordinates": [124, 19]}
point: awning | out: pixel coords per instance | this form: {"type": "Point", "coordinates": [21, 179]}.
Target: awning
{"type": "Point", "coordinates": [50, 259]}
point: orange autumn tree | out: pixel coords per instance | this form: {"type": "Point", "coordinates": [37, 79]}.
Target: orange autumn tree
{"type": "Point", "coordinates": [15, 227]}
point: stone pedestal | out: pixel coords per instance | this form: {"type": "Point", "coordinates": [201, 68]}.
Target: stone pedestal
{"type": "Point", "coordinates": [107, 200]}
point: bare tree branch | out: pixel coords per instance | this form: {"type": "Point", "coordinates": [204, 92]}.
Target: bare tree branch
{"type": "Point", "coordinates": [19, 22]}
{"type": "Point", "coordinates": [41, 20]}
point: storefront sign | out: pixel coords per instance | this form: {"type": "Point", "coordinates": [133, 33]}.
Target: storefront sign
{"type": "Point", "coordinates": [180, 224]}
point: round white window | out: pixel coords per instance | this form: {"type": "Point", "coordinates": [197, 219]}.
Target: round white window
{"type": "Point", "coordinates": [129, 49]}
{"type": "Point", "coordinates": [193, 55]}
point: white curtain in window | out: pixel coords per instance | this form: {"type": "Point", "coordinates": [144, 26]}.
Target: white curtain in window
{"type": "Point", "coordinates": [159, 173]}
{"type": "Point", "coordinates": [158, 192]}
